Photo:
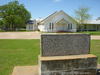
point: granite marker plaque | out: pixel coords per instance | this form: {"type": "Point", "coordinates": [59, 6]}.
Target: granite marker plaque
{"type": "Point", "coordinates": [64, 44]}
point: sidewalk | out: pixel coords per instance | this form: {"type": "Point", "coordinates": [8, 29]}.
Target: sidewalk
{"type": "Point", "coordinates": [25, 70]}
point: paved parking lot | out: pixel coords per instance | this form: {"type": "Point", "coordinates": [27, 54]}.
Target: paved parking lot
{"type": "Point", "coordinates": [29, 35]}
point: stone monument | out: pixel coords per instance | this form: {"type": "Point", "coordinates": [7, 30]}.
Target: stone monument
{"type": "Point", "coordinates": [66, 54]}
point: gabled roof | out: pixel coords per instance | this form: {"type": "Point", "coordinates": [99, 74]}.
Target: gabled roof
{"type": "Point", "coordinates": [62, 20]}
{"type": "Point", "coordinates": [50, 16]}
{"type": "Point", "coordinates": [57, 13]}
{"type": "Point", "coordinates": [68, 16]}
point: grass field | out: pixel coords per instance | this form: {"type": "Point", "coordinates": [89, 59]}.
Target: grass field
{"type": "Point", "coordinates": [95, 48]}
{"type": "Point", "coordinates": [17, 52]}
{"type": "Point", "coordinates": [92, 32]}
{"type": "Point", "coordinates": [25, 52]}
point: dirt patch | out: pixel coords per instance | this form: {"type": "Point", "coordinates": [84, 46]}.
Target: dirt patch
{"type": "Point", "coordinates": [20, 35]}
{"type": "Point", "coordinates": [29, 35]}
{"type": "Point", "coordinates": [95, 37]}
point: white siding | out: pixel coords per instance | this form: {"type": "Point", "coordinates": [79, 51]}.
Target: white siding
{"type": "Point", "coordinates": [54, 19]}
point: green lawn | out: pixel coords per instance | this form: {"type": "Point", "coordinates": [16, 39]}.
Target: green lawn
{"type": "Point", "coordinates": [91, 32]}
{"type": "Point", "coordinates": [95, 48]}
{"type": "Point", "coordinates": [25, 52]}
{"type": "Point", "coordinates": [17, 52]}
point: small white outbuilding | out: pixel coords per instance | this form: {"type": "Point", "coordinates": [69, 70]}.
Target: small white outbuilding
{"type": "Point", "coordinates": [32, 25]}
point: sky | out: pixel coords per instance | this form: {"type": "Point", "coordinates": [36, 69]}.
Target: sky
{"type": "Point", "coordinates": [43, 8]}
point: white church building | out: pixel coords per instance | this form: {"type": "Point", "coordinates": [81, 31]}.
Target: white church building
{"type": "Point", "coordinates": [56, 22]}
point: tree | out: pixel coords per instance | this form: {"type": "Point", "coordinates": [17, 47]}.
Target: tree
{"type": "Point", "coordinates": [14, 15]}
{"type": "Point", "coordinates": [82, 16]}
{"type": "Point", "coordinates": [98, 18]}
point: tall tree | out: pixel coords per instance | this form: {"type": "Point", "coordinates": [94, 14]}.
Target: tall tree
{"type": "Point", "coordinates": [14, 15]}
{"type": "Point", "coordinates": [98, 18]}
{"type": "Point", "coordinates": [82, 16]}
